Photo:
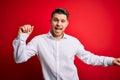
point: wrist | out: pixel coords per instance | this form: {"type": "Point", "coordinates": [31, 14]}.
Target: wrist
{"type": "Point", "coordinates": [23, 36]}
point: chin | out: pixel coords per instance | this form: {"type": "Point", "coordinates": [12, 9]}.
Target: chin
{"type": "Point", "coordinates": [59, 34]}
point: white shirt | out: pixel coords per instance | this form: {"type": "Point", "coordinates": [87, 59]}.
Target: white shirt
{"type": "Point", "coordinates": [56, 56]}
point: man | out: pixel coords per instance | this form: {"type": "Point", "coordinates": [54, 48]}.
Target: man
{"type": "Point", "coordinates": [56, 50]}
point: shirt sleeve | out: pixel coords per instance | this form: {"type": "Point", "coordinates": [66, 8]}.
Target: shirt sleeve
{"type": "Point", "coordinates": [90, 58]}
{"type": "Point", "coordinates": [23, 51]}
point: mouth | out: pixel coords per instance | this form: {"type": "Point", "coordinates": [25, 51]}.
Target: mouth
{"type": "Point", "coordinates": [56, 28]}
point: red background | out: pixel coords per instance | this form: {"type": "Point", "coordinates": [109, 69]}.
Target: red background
{"type": "Point", "coordinates": [96, 23]}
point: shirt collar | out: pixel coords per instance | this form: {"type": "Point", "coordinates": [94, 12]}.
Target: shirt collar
{"type": "Point", "coordinates": [51, 36]}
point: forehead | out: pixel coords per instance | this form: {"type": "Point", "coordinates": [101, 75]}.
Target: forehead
{"type": "Point", "coordinates": [60, 16]}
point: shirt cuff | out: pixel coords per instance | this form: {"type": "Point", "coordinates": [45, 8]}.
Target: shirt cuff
{"type": "Point", "coordinates": [110, 61]}
{"type": "Point", "coordinates": [23, 36]}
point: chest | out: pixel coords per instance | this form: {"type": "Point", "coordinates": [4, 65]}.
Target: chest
{"type": "Point", "coordinates": [54, 48]}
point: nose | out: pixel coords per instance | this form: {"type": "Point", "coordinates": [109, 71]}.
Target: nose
{"type": "Point", "coordinates": [58, 23]}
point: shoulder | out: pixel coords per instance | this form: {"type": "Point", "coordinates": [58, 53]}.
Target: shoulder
{"type": "Point", "coordinates": [41, 36]}
{"type": "Point", "coordinates": [71, 37]}
{"type": "Point", "coordinates": [38, 37]}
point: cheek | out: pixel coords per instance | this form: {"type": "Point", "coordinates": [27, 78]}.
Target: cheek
{"type": "Point", "coordinates": [64, 28]}
{"type": "Point", "coordinates": [52, 25]}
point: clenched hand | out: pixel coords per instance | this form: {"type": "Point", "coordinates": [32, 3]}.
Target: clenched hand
{"type": "Point", "coordinates": [26, 29]}
{"type": "Point", "coordinates": [116, 61]}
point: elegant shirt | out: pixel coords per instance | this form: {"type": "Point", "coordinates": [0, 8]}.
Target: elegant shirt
{"type": "Point", "coordinates": [56, 56]}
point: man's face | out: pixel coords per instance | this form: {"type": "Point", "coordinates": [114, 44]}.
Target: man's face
{"type": "Point", "coordinates": [58, 22]}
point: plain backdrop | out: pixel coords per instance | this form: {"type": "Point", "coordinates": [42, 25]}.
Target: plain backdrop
{"type": "Point", "coordinates": [96, 23]}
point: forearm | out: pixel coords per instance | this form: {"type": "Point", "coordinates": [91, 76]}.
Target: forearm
{"type": "Point", "coordinates": [101, 60]}
{"type": "Point", "coordinates": [19, 45]}
{"type": "Point", "coordinates": [96, 60]}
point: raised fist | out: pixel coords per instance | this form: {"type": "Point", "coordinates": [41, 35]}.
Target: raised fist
{"type": "Point", "coordinates": [26, 29]}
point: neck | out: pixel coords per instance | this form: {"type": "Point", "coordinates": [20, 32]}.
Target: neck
{"type": "Point", "coordinates": [58, 37]}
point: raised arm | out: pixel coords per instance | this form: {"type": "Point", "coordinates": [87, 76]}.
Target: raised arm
{"type": "Point", "coordinates": [23, 51]}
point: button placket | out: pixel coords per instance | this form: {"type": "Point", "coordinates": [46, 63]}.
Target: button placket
{"type": "Point", "coordinates": [57, 58]}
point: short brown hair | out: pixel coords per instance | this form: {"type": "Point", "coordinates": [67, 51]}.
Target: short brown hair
{"type": "Point", "coordinates": [60, 11]}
